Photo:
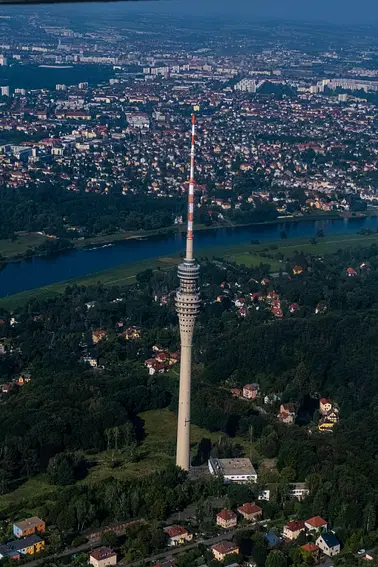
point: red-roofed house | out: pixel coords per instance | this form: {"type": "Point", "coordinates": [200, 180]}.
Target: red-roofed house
{"type": "Point", "coordinates": [250, 511]}
{"type": "Point", "coordinates": [98, 335]}
{"type": "Point", "coordinates": [351, 272]}
{"type": "Point", "coordinates": [224, 548]}
{"type": "Point", "coordinates": [287, 413]}
{"type": "Point", "coordinates": [250, 391]}
{"type": "Point", "coordinates": [310, 549]}
{"type": "Point", "coordinates": [316, 523]}
{"type": "Point", "coordinates": [293, 529]}
{"type": "Point", "coordinates": [297, 270]}
{"type": "Point", "coordinates": [293, 307]}
{"type": "Point", "coordinates": [177, 535]}
{"type": "Point", "coordinates": [325, 406]}
{"type": "Point", "coordinates": [227, 519]}
{"type": "Point", "coordinates": [102, 557]}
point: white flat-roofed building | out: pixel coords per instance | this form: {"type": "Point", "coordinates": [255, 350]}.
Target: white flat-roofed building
{"type": "Point", "coordinates": [233, 470]}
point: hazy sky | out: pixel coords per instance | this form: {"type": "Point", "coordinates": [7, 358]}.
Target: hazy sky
{"type": "Point", "coordinates": [335, 11]}
{"type": "Point", "coordinates": [343, 11]}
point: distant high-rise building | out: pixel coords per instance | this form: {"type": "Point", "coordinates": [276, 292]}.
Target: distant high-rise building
{"type": "Point", "coordinates": [83, 85]}
{"type": "Point", "coordinates": [60, 87]}
{"type": "Point", "coordinates": [187, 305]}
{"type": "Point", "coordinates": [3, 61]}
{"type": "Point", "coordinates": [4, 91]}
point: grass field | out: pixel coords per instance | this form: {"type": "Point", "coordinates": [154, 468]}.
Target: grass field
{"type": "Point", "coordinates": [24, 242]}
{"type": "Point", "coordinates": [28, 497]}
{"type": "Point", "coordinates": [155, 452]}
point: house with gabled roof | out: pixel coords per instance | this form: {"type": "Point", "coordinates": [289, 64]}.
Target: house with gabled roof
{"type": "Point", "coordinates": [177, 535]}
{"type": "Point", "coordinates": [227, 519]}
{"type": "Point", "coordinates": [292, 529]}
{"type": "Point", "coordinates": [250, 511]}
{"type": "Point", "coordinates": [328, 544]}
{"type": "Point", "coordinates": [316, 523]}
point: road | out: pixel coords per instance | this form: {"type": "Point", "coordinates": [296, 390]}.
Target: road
{"type": "Point", "coordinates": [227, 535]}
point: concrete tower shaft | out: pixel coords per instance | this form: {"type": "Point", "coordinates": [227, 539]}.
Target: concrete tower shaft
{"type": "Point", "coordinates": [187, 306]}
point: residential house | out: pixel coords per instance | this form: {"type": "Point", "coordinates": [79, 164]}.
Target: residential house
{"type": "Point", "coordinates": [328, 420]}
{"type": "Point", "coordinates": [310, 550]}
{"type": "Point", "coordinates": [236, 392]}
{"type": "Point", "coordinates": [177, 535]}
{"type": "Point", "coordinates": [316, 523]}
{"type": "Point", "coordinates": [154, 366]}
{"type": "Point", "coordinates": [351, 272]}
{"type": "Point", "coordinates": [276, 308]}
{"type": "Point", "coordinates": [320, 308]}
{"type": "Point", "coordinates": [103, 557]}
{"type": "Point", "coordinates": [23, 379]}
{"type": "Point", "coordinates": [297, 270]}
{"type": "Point", "coordinates": [98, 335]}
{"type": "Point", "coordinates": [298, 490]}
{"type": "Point", "coordinates": [90, 360]}
{"type": "Point", "coordinates": [226, 519]}
{"type": "Point", "coordinates": [294, 307]}
{"type": "Point", "coordinates": [26, 546]}
{"type": "Point", "coordinates": [132, 333]}
{"type": "Point", "coordinates": [292, 529]}
{"type": "Point", "coordinates": [329, 544]}
{"type": "Point", "coordinates": [250, 511]}
{"type": "Point", "coordinates": [287, 413]}
{"type": "Point", "coordinates": [29, 526]}
{"type": "Point", "coordinates": [6, 388]}
{"type": "Point", "coordinates": [224, 548]}
{"type": "Point", "coordinates": [243, 312]}
{"type": "Point", "coordinates": [250, 391]}
{"type": "Point", "coordinates": [325, 406]}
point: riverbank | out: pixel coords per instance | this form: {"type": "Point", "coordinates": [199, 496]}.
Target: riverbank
{"type": "Point", "coordinates": [247, 254]}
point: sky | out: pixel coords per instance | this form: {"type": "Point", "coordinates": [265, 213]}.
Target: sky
{"type": "Point", "coordinates": [343, 11]}
{"type": "Point", "coordinates": [334, 11]}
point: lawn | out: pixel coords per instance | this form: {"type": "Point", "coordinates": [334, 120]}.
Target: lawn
{"type": "Point", "coordinates": [23, 243]}
{"type": "Point", "coordinates": [252, 260]}
{"type": "Point", "coordinates": [28, 497]}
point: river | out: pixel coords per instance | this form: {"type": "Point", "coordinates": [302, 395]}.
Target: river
{"type": "Point", "coordinates": [40, 271]}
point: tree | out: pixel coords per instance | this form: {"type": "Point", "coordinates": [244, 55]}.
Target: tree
{"type": "Point", "coordinates": [109, 539]}
{"type": "Point", "coordinates": [276, 559]}
{"type": "Point", "coordinates": [61, 469]}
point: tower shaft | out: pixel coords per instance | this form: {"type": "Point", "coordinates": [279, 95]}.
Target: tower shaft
{"type": "Point", "coordinates": [187, 306]}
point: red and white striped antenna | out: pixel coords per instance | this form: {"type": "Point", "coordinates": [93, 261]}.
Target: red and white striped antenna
{"type": "Point", "coordinates": [189, 236]}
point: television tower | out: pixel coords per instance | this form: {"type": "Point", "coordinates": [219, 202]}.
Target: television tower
{"type": "Point", "coordinates": [187, 306]}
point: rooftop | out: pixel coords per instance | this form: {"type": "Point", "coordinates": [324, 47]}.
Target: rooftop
{"type": "Point", "coordinates": [13, 547]}
{"type": "Point", "coordinates": [230, 467]}
{"type": "Point", "coordinates": [103, 553]}
{"type": "Point", "coordinates": [316, 522]}
{"type": "Point", "coordinates": [174, 531]}
{"type": "Point", "coordinates": [28, 523]}
{"type": "Point", "coordinates": [225, 547]}
{"type": "Point", "coordinates": [250, 508]}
